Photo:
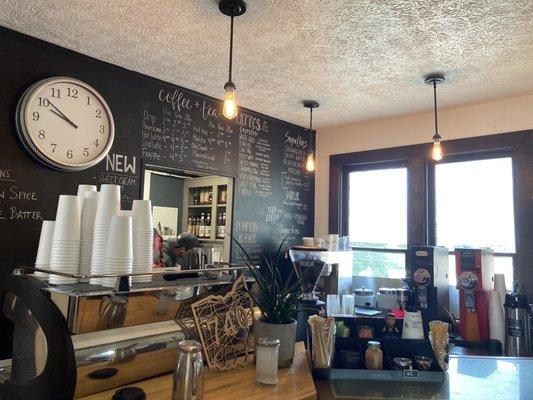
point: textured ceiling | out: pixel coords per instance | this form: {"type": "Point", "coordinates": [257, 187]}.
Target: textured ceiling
{"type": "Point", "coordinates": [360, 59]}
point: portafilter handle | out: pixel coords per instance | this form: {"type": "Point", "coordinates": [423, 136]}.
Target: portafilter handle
{"type": "Point", "coordinates": [60, 364]}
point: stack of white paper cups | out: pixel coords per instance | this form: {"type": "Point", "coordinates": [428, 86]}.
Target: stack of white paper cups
{"type": "Point", "coordinates": [119, 257]}
{"type": "Point", "coordinates": [45, 249]}
{"type": "Point", "coordinates": [88, 215]}
{"type": "Point", "coordinates": [496, 318]}
{"type": "Point", "coordinates": [499, 286]}
{"type": "Point", "coordinates": [108, 207]}
{"type": "Point", "coordinates": [65, 254]}
{"type": "Point", "coordinates": [143, 237]}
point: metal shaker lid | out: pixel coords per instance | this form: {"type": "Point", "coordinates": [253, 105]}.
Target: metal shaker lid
{"type": "Point", "coordinates": [189, 346]}
{"type": "Point", "coordinates": [363, 291]}
{"type": "Point", "coordinates": [268, 342]}
{"type": "Point", "coordinates": [516, 300]}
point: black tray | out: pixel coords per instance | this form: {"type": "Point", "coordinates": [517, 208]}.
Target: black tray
{"type": "Point", "coordinates": [392, 347]}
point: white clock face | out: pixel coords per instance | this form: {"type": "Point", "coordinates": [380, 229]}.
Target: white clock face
{"type": "Point", "coordinates": [65, 123]}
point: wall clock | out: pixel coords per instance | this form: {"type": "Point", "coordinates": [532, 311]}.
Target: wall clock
{"type": "Point", "coordinates": [65, 123]}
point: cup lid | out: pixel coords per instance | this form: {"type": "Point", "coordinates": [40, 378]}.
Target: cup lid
{"type": "Point", "coordinates": [374, 344]}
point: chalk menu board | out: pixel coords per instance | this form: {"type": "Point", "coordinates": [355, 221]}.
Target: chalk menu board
{"type": "Point", "coordinates": [159, 124]}
{"type": "Point", "coordinates": [183, 128]}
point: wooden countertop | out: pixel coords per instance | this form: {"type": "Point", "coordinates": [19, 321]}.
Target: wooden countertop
{"type": "Point", "coordinates": [294, 383]}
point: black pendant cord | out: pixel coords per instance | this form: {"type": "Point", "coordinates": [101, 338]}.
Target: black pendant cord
{"type": "Point", "coordinates": [231, 50]}
{"type": "Point", "coordinates": [311, 129]}
{"type": "Point", "coordinates": [437, 136]}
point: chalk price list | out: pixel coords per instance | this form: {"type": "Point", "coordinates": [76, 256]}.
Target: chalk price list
{"type": "Point", "coordinates": [17, 203]}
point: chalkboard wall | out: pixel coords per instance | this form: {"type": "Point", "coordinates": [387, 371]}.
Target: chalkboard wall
{"type": "Point", "coordinates": [158, 124]}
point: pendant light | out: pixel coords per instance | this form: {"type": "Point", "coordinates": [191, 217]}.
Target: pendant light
{"type": "Point", "coordinates": [231, 8]}
{"type": "Point", "coordinates": [437, 152]}
{"type": "Point", "coordinates": [310, 159]}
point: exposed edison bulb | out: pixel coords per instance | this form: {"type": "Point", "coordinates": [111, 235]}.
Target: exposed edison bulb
{"type": "Point", "coordinates": [436, 152]}
{"type": "Point", "coordinates": [310, 162]}
{"type": "Point", "coordinates": [230, 105]}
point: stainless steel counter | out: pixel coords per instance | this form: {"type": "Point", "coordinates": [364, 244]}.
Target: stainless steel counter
{"type": "Point", "coordinates": [469, 378]}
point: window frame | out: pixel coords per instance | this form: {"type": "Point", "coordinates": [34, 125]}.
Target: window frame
{"type": "Point", "coordinates": [347, 170]}
{"type": "Point", "coordinates": [462, 157]}
{"type": "Point", "coordinates": [421, 187]}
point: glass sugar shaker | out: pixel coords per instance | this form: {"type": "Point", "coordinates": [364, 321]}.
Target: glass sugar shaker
{"type": "Point", "coordinates": [266, 357]}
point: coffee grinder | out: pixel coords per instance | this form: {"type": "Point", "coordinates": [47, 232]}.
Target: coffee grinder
{"type": "Point", "coordinates": [427, 272]}
{"type": "Point", "coordinates": [310, 264]}
{"type": "Point", "coordinates": [474, 269]}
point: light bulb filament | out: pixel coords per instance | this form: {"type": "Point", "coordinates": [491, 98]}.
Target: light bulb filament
{"type": "Point", "coordinates": [230, 105]}
{"type": "Point", "coordinates": [310, 162]}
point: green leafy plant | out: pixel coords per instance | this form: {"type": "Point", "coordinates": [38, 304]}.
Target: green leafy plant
{"type": "Point", "coordinates": [277, 299]}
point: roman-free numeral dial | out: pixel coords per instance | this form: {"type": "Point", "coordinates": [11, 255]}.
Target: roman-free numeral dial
{"type": "Point", "coordinates": [65, 123]}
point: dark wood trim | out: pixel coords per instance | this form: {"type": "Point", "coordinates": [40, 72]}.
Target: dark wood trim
{"type": "Point", "coordinates": [421, 190]}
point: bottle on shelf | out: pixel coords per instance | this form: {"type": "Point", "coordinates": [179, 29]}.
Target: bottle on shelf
{"type": "Point", "coordinates": [219, 226]}
{"type": "Point", "coordinates": [209, 195]}
{"type": "Point", "coordinates": [190, 227]}
{"type": "Point", "coordinates": [201, 229]}
{"type": "Point", "coordinates": [195, 226]}
{"type": "Point", "coordinates": [196, 197]}
{"type": "Point", "coordinates": [207, 227]}
{"type": "Point", "coordinates": [223, 226]}
{"type": "Point", "coordinates": [223, 196]}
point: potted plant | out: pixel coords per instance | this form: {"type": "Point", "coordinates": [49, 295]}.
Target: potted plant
{"type": "Point", "coordinates": [278, 301]}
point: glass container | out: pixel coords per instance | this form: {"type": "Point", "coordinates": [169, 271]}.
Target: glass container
{"type": "Point", "coordinates": [266, 357]}
{"type": "Point", "coordinates": [374, 356]}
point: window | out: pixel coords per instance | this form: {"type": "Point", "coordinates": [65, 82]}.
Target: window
{"type": "Point", "coordinates": [474, 207]}
{"type": "Point", "coordinates": [377, 222]}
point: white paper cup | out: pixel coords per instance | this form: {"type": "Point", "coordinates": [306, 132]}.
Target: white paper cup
{"type": "Point", "coordinates": [44, 251]}
{"type": "Point", "coordinates": [88, 214]}
{"type": "Point", "coordinates": [120, 242]}
{"type": "Point", "coordinates": [67, 225]}
{"type": "Point", "coordinates": [500, 287]}
{"type": "Point", "coordinates": [308, 241]}
{"type": "Point", "coordinates": [108, 204]}
{"type": "Point", "coordinates": [82, 189]}
{"type": "Point", "coordinates": [142, 216]}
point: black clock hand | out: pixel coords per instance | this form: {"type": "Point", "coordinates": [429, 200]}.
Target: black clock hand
{"type": "Point", "coordinates": [61, 115]}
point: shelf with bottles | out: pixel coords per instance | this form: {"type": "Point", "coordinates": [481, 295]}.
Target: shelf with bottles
{"type": "Point", "coordinates": [199, 224]}
{"type": "Point", "coordinates": [201, 196]}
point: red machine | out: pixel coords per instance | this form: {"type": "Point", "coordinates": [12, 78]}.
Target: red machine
{"type": "Point", "coordinates": [474, 269]}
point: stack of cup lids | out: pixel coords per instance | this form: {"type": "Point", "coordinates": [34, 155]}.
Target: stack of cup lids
{"type": "Point", "coordinates": [119, 256]}
{"type": "Point", "coordinates": [45, 249]}
{"type": "Point", "coordinates": [143, 239]}
{"type": "Point", "coordinates": [107, 208]}
{"type": "Point", "coordinates": [65, 253]}
{"type": "Point", "coordinates": [88, 215]}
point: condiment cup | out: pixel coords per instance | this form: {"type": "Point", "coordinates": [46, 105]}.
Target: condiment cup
{"type": "Point", "coordinates": [424, 363]}
{"type": "Point", "coordinates": [401, 363]}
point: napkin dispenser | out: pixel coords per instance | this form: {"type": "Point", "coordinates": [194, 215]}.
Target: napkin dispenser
{"type": "Point", "coordinates": [74, 340]}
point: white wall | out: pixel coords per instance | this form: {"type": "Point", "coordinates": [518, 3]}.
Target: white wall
{"type": "Point", "coordinates": [502, 116]}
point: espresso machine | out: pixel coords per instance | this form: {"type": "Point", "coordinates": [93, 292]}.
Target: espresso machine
{"type": "Point", "coordinates": [475, 271]}
{"type": "Point", "coordinates": [427, 274]}
{"type": "Point", "coordinates": [75, 340]}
